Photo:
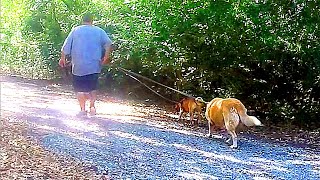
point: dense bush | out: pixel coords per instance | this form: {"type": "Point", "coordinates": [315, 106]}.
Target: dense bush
{"type": "Point", "coordinates": [265, 53]}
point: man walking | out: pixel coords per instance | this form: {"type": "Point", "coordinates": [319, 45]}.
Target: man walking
{"type": "Point", "coordinates": [86, 44]}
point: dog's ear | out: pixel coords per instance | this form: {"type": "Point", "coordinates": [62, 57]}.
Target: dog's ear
{"type": "Point", "coordinates": [199, 99]}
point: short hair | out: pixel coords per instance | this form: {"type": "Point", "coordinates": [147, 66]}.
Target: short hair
{"type": "Point", "coordinates": [87, 17]}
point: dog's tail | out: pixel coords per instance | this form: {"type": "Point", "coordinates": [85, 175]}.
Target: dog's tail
{"type": "Point", "coordinates": [246, 119]}
{"type": "Point", "coordinates": [250, 121]}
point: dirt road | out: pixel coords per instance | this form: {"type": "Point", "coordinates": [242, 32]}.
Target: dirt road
{"type": "Point", "coordinates": [125, 143]}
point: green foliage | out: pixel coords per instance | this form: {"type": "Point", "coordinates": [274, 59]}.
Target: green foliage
{"type": "Point", "coordinates": [265, 53]}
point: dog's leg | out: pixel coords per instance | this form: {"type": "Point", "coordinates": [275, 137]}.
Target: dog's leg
{"type": "Point", "coordinates": [231, 122]}
{"type": "Point", "coordinates": [229, 140]}
{"type": "Point", "coordinates": [180, 115]}
{"type": "Point", "coordinates": [234, 139]}
{"type": "Point", "coordinates": [191, 118]}
{"type": "Point", "coordinates": [199, 118]}
{"type": "Point", "coordinates": [209, 135]}
{"type": "Point", "coordinates": [209, 123]}
{"type": "Point", "coordinates": [196, 122]}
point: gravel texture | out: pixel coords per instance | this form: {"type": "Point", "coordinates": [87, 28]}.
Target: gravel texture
{"type": "Point", "coordinates": [124, 142]}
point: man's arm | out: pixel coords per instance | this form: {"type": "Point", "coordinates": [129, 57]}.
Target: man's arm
{"type": "Point", "coordinates": [106, 57]}
{"type": "Point", "coordinates": [106, 42]}
{"type": "Point", "coordinates": [66, 49]}
{"type": "Point", "coordinates": [62, 62]}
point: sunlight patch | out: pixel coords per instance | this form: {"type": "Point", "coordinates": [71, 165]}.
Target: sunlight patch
{"type": "Point", "coordinates": [78, 136]}
{"type": "Point", "coordinates": [269, 164]}
{"type": "Point", "coordinates": [316, 171]}
{"type": "Point", "coordinates": [45, 127]}
{"type": "Point", "coordinates": [137, 138]}
{"type": "Point", "coordinates": [264, 161]}
{"type": "Point", "coordinates": [81, 138]}
{"type": "Point", "coordinates": [46, 116]}
{"type": "Point", "coordinates": [261, 178]}
{"type": "Point", "coordinates": [186, 132]}
{"type": "Point", "coordinates": [123, 118]}
{"type": "Point", "coordinates": [114, 108]}
{"type": "Point", "coordinates": [195, 175]}
{"type": "Point", "coordinates": [69, 107]}
{"type": "Point", "coordinates": [305, 162]}
{"type": "Point", "coordinates": [210, 154]}
{"type": "Point", "coordinates": [255, 171]}
{"type": "Point", "coordinates": [80, 125]}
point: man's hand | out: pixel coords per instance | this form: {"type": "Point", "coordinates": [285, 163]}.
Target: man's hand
{"type": "Point", "coordinates": [105, 60]}
{"type": "Point", "coordinates": [62, 62]}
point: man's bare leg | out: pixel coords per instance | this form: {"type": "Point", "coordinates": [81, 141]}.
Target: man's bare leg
{"type": "Point", "coordinates": [93, 98]}
{"type": "Point", "coordinates": [82, 100]}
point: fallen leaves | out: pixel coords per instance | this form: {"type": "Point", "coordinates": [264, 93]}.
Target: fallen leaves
{"type": "Point", "coordinates": [22, 158]}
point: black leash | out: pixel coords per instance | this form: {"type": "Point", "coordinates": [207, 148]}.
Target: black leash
{"type": "Point", "coordinates": [134, 75]}
{"type": "Point", "coordinates": [147, 86]}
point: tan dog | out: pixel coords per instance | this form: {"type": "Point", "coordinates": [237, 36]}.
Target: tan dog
{"type": "Point", "coordinates": [226, 114]}
{"type": "Point", "coordinates": [191, 106]}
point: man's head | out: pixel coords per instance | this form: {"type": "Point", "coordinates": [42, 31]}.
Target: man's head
{"type": "Point", "coordinates": [87, 18]}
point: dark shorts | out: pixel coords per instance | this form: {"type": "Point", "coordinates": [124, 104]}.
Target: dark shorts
{"type": "Point", "coordinates": [85, 83]}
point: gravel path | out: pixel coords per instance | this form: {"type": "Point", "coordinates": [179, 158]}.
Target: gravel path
{"type": "Point", "coordinates": [125, 143]}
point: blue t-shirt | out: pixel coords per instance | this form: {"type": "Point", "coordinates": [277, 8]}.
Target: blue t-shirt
{"type": "Point", "coordinates": [86, 43]}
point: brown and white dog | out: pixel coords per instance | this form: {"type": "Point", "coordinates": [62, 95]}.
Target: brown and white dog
{"type": "Point", "coordinates": [226, 114]}
{"type": "Point", "coordinates": [191, 106]}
